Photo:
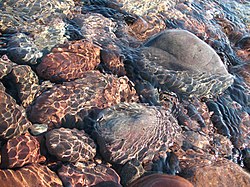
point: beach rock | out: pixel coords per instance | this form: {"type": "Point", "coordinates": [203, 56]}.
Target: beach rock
{"type": "Point", "coordinates": [32, 176]}
{"type": "Point", "coordinates": [19, 151]}
{"type": "Point", "coordinates": [87, 174]}
{"type": "Point", "coordinates": [134, 131]}
{"type": "Point", "coordinates": [70, 102]}
{"type": "Point", "coordinates": [69, 61]}
{"type": "Point", "coordinates": [13, 118]}
{"type": "Point", "coordinates": [163, 180]}
{"type": "Point", "coordinates": [70, 145]}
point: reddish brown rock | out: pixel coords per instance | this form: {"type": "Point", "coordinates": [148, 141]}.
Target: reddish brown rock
{"type": "Point", "coordinates": [82, 174]}
{"type": "Point", "coordinates": [31, 176]}
{"type": "Point", "coordinates": [145, 27]}
{"type": "Point", "coordinates": [13, 121]}
{"type": "Point", "coordinates": [19, 151]}
{"type": "Point", "coordinates": [26, 82]}
{"type": "Point", "coordinates": [69, 61]}
{"type": "Point", "coordinates": [113, 61]}
{"type": "Point", "coordinates": [70, 145]}
{"type": "Point", "coordinates": [203, 169]}
{"type": "Point", "coordinates": [161, 180]}
{"type": "Point", "coordinates": [72, 101]}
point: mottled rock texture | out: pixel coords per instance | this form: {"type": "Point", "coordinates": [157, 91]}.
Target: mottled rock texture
{"type": "Point", "coordinates": [70, 145]}
{"type": "Point", "coordinates": [32, 176]}
{"type": "Point", "coordinates": [87, 174]}
{"type": "Point", "coordinates": [70, 102]}
{"type": "Point", "coordinates": [130, 130]}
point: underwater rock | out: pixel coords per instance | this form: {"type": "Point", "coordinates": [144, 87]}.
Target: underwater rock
{"type": "Point", "coordinates": [70, 145]}
{"type": "Point", "coordinates": [69, 61]}
{"type": "Point", "coordinates": [19, 151]}
{"type": "Point", "coordinates": [130, 130]}
{"type": "Point", "coordinates": [32, 175]}
{"type": "Point", "coordinates": [87, 174]}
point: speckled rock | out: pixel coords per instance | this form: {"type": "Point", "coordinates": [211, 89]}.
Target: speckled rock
{"type": "Point", "coordinates": [17, 152]}
{"type": "Point", "coordinates": [126, 131]}
{"type": "Point", "coordinates": [32, 176]}
{"type": "Point", "coordinates": [87, 174]}
{"type": "Point", "coordinates": [69, 61]}
{"type": "Point", "coordinates": [12, 117]}
{"type": "Point", "coordinates": [70, 145]}
{"type": "Point", "coordinates": [162, 180]}
{"type": "Point", "coordinates": [70, 102]}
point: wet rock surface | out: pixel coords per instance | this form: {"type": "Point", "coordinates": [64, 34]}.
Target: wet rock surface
{"type": "Point", "coordinates": [87, 174]}
{"type": "Point", "coordinates": [116, 92]}
{"type": "Point", "coordinates": [70, 145]}
{"type": "Point", "coordinates": [32, 175]}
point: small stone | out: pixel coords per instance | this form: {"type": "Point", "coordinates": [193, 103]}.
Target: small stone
{"type": "Point", "coordinates": [37, 129]}
{"type": "Point", "coordinates": [19, 151]}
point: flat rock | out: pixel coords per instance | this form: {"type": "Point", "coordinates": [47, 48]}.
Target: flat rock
{"type": "Point", "coordinates": [32, 176]}
{"type": "Point", "coordinates": [70, 145]}
{"type": "Point", "coordinates": [130, 130]}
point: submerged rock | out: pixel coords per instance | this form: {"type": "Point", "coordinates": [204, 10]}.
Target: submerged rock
{"type": "Point", "coordinates": [70, 145]}
{"type": "Point", "coordinates": [69, 103]}
{"type": "Point", "coordinates": [87, 174]}
{"type": "Point", "coordinates": [135, 131]}
{"type": "Point", "coordinates": [20, 151]}
{"type": "Point", "coordinates": [13, 118]}
{"type": "Point", "coordinates": [179, 61]}
{"type": "Point", "coordinates": [162, 180]}
{"type": "Point", "coordinates": [32, 175]}
{"type": "Point", "coordinates": [69, 61]}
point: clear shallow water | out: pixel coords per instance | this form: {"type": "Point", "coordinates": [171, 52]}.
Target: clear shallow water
{"type": "Point", "coordinates": [224, 25]}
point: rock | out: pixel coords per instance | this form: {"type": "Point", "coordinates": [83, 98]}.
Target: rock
{"type": "Point", "coordinates": [26, 82]}
{"type": "Point", "coordinates": [19, 151]}
{"type": "Point", "coordinates": [87, 174]}
{"type": "Point", "coordinates": [130, 130]}
{"type": "Point", "coordinates": [37, 129]}
{"type": "Point", "coordinates": [225, 174]}
{"type": "Point", "coordinates": [178, 61]}
{"type": "Point", "coordinates": [13, 118]}
{"type": "Point", "coordinates": [161, 180]}
{"type": "Point", "coordinates": [70, 102]}
{"type": "Point", "coordinates": [70, 145]}
{"type": "Point", "coordinates": [69, 61]}
{"type": "Point", "coordinates": [32, 176]}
